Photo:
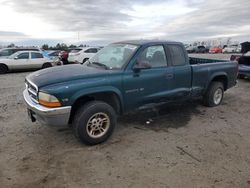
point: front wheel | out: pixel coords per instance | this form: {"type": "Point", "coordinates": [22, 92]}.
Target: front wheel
{"type": "Point", "coordinates": [214, 94]}
{"type": "Point", "coordinates": [94, 122]}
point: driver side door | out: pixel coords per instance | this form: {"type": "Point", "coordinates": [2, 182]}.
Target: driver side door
{"type": "Point", "coordinates": [147, 85]}
{"type": "Point", "coordinates": [21, 60]}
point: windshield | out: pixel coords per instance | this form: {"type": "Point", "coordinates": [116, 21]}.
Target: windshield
{"type": "Point", "coordinates": [113, 56]}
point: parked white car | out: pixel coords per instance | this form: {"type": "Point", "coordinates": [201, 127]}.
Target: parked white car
{"type": "Point", "coordinates": [81, 56]}
{"type": "Point", "coordinates": [232, 49]}
{"type": "Point", "coordinates": [24, 60]}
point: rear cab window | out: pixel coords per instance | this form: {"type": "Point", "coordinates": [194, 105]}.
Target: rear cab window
{"type": "Point", "coordinates": [176, 54]}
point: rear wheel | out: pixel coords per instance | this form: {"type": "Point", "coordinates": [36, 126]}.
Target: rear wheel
{"type": "Point", "coordinates": [214, 94]}
{"type": "Point", "coordinates": [46, 65]}
{"type": "Point", "coordinates": [3, 69]}
{"type": "Point", "coordinates": [94, 122]}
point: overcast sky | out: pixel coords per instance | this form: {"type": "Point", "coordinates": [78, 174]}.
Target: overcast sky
{"type": "Point", "coordinates": [103, 21]}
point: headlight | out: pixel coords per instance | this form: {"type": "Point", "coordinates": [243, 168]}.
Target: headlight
{"type": "Point", "coordinates": [48, 100]}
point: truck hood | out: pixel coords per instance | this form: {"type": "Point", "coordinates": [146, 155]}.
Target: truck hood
{"type": "Point", "coordinates": [65, 73]}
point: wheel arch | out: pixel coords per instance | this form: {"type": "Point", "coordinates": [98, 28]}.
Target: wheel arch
{"type": "Point", "coordinates": [110, 97]}
{"type": "Point", "coordinates": [3, 64]}
{"type": "Point", "coordinates": [220, 77]}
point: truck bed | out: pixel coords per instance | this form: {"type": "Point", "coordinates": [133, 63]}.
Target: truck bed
{"type": "Point", "coordinates": [194, 60]}
{"type": "Point", "coordinates": [206, 69]}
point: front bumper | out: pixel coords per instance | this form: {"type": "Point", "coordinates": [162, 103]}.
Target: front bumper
{"type": "Point", "coordinates": [50, 116]}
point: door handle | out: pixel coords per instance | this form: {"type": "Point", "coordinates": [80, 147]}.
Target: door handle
{"type": "Point", "coordinates": [169, 76]}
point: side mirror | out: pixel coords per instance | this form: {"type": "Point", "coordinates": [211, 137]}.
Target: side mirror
{"type": "Point", "coordinates": [15, 58]}
{"type": "Point", "coordinates": [141, 65]}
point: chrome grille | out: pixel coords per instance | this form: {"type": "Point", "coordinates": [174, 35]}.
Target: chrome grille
{"type": "Point", "coordinates": [32, 90]}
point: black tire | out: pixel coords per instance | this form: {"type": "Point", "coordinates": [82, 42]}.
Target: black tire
{"type": "Point", "coordinates": [46, 65]}
{"type": "Point", "coordinates": [85, 113]}
{"type": "Point", "coordinates": [209, 99]}
{"type": "Point", "coordinates": [3, 69]}
{"type": "Point", "coordinates": [84, 60]}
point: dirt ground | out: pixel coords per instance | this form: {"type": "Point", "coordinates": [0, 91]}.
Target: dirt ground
{"type": "Point", "coordinates": [185, 145]}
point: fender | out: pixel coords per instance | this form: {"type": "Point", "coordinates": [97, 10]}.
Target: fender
{"type": "Point", "coordinates": [3, 64]}
{"type": "Point", "coordinates": [89, 91]}
{"type": "Point", "coordinates": [215, 75]}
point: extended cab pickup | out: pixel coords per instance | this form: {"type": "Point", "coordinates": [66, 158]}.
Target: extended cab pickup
{"type": "Point", "coordinates": [122, 77]}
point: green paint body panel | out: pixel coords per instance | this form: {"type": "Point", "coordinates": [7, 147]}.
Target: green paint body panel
{"type": "Point", "coordinates": [135, 89]}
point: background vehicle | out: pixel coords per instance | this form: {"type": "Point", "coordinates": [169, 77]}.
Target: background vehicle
{"type": "Point", "coordinates": [81, 56]}
{"type": "Point", "coordinates": [215, 50]}
{"type": "Point", "coordinates": [190, 49]}
{"type": "Point", "coordinates": [120, 78]}
{"type": "Point", "coordinates": [197, 49]}
{"type": "Point", "coordinates": [243, 60]}
{"type": "Point", "coordinates": [5, 52]}
{"type": "Point", "coordinates": [24, 60]}
{"type": "Point", "coordinates": [244, 65]}
{"type": "Point", "coordinates": [63, 57]}
{"type": "Point", "coordinates": [53, 54]}
{"type": "Point", "coordinates": [232, 49]}
{"type": "Point", "coordinates": [201, 49]}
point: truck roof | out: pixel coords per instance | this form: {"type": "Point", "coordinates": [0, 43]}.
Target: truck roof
{"type": "Point", "coordinates": [150, 42]}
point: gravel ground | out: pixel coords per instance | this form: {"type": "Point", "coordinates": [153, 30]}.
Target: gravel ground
{"type": "Point", "coordinates": [185, 145]}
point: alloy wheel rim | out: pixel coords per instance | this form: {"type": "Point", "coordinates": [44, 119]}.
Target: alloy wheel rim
{"type": "Point", "coordinates": [218, 96]}
{"type": "Point", "coordinates": [98, 125]}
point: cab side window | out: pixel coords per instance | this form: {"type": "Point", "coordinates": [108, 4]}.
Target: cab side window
{"type": "Point", "coordinates": [36, 55]}
{"type": "Point", "coordinates": [177, 55]}
{"type": "Point", "coordinates": [24, 55]}
{"type": "Point", "coordinates": [154, 55]}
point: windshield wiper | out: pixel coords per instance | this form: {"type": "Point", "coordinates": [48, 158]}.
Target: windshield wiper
{"type": "Point", "coordinates": [100, 64]}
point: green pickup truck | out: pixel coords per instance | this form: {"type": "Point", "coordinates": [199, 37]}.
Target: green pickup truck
{"type": "Point", "coordinates": [123, 77]}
